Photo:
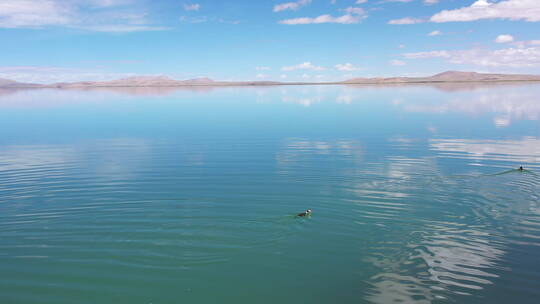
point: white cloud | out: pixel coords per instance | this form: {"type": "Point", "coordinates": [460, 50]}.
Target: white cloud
{"type": "Point", "coordinates": [504, 38]}
{"type": "Point", "coordinates": [522, 44]}
{"type": "Point", "coordinates": [435, 33]}
{"type": "Point", "coordinates": [123, 28]}
{"type": "Point", "coordinates": [509, 57]}
{"type": "Point", "coordinates": [221, 20]}
{"type": "Point", "coordinates": [406, 20]}
{"type": "Point", "coordinates": [528, 10]}
{"type": "Point", "coordinates": [354, 11]}
{"type": "Point", "coordinates": [81, 14]}
{"type": "Point", "coordinates": [361, 1]}
{"type": "Point", "coordinates": [303, 66]}
{"type": "Point", "coordinates": [197, 19]}
{"type": "Point", "coordinates": [429, 2]}
{"type": "Point", "coordinates": [109, 3]}
{"type": "Point", "coordinates": [34, 13]}
{"type": "Point", "coordinates": [397, 62]}
{"type": "Point", "coordinates": [262, 68]}
{"type": "Point", "coordinates": [349, 67]}
{"type": "Point", "coordinates": [192, 7]}
{"type": "Point", "coordinates": [431, 54]}
{"type": "Point", "coordinates": [353, 15]}
{"type": "Point", "coordinates": [291, 5]}
{"type": "Point", "coordinates": [345, 19]}
{"type": "Point", "coordinates": [261, 76]}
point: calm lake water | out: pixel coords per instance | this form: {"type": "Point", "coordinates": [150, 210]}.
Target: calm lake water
{"type": "Point", "coordinates": [188, 196]}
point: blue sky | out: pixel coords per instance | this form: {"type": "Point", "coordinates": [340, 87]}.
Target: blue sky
{"type": "Point", "coordinates": [318, 40]}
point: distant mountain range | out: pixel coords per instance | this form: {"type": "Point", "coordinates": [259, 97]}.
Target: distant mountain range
{"type": "Point", "coordinates": [162, 81]}
{"type": "Point", "coordinates": [449, 76]}
{"type": "Point", "coordinates": [6, 83]}
{"type": "Point", "coordinates": [157, 81]}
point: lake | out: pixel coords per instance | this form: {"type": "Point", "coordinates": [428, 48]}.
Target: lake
{"type": "Point", "coordinates": [163, 195]}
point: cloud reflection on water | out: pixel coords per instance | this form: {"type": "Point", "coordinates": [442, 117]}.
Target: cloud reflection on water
{"type": "Point", "coordinates": [449, 259]}
{"type": "Point", "coordinates": [426, 264]}
{"type": "Point", "coordinates": [44, 164]}
{"type": "Point", "coordinates": [434, 259]}
{"type": "Point", "coordinates": [508, 105]}
{"type": "Point", "coordinates": [525, 150]}
{"type": "Point", "coordinates": [506, 102]}
{"type": "Point", "coordinates": [443, 256]}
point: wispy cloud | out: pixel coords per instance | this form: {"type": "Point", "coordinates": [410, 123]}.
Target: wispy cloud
{"type": "Point", "coordinates": [192, 7]}
{"type": "Point", "coordinates": [353, 15]}
{"type": "Point", "coordinates": [406, 20]}
{"type": "Point", "coordinates": [509, 57]}
{"type": "Point", "coordinates": [528, 10]}
{"type": "Point", "coordinates": [396, 62]}
{"type": "Point", "coordinates": [109, 3]}
{"type": "Point", "coordinates": [522, 44]}
{"type": "Point", "coordinates": [354, 11]}
{"type": "Point", "coordinates": [34, 13]}
{"type": "Point", "coordinates": [345, 19]}
{"type": "Point", "coordinates": [435, 33]}
{"type": "Point", "coordinates": [430, 54]}
{"type": "Point", "coordinates": [303, 66]}
{"type": "Point", "coordinates": [291, 5]}
{"type": "Point", "coordinates": [262, 68]}
{"type": "Point", "coordinates": [123, 28]}
{"type": "Point", "coordinates": [349, 67]}
{"type": "Point", "coordinates": [197, 19]}
{"type": "Point", "coordinates": [203, 19]}
{"type": "Point", "coordinates": [80, 14]}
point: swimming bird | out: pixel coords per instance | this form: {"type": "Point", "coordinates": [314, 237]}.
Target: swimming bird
{"type": "Point", "coordinates": [521, 168]}
{"type": "Point", "coordinates": [305, 213]}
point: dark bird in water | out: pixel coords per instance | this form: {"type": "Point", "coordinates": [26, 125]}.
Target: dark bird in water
{"type": "Point", "coordinates": [521, 168]}
{"type": "Point", "coordinates": [305, 213]}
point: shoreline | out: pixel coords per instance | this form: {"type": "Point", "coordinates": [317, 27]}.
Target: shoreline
{"type": "Point", "coordinates": [248, 84]}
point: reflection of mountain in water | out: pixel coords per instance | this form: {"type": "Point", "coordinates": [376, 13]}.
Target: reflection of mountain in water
{"type": "Point", "coordinates": [144, 91]}
{"type": "Point", "coordinates": [43, 98]}
{"type": "Point", "coordinates": [507, 101]}
{"type": "Point", "coordinates": [6, 92]}
{"type": "Point", "coordinates": [444, 86]}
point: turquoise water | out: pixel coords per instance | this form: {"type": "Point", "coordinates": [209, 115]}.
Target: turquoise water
{"type": "Point", "coordinates": [188, 196]}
